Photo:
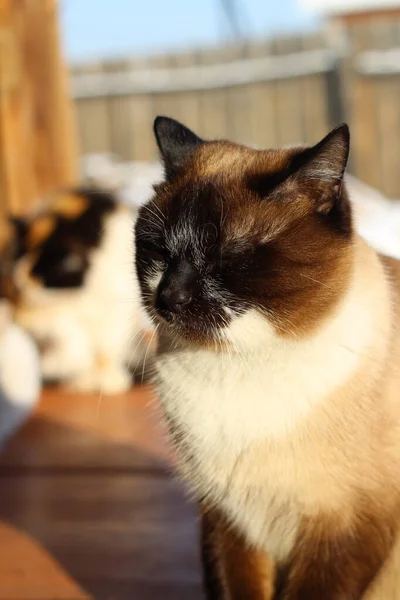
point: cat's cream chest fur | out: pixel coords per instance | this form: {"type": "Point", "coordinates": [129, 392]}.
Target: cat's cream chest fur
{"type": "Point", "coordinates": [255, 424]}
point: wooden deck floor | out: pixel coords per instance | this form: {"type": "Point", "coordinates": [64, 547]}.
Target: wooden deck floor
{"type": "Point", "coordinates": [88, 508]}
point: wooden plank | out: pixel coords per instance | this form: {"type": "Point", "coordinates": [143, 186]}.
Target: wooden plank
{"type": "Point", "coordinates": [170, 78]}
{"type": "Point", "coordinates": [315, 109]}
{"type": "Point", "coordinates": [387, 91]}
{"type": "Point", "coordinates": [120, 126]}
{"type": "Point", "coordinates": [222, 54]}
{"type": "Point", "coordinates": [89, 433]}
{"type": "Point", "coordinates": [314, 99]}
{"type": "Point", "coordinates": [143, 146]}
{"type": "Point", "coordinates": [54, 143]}
{"type": "Point", "coordinates": [288, 100]}
{"type": "Point", "coordinates": [369, 17]}
{"type": "Point", "coordinates": [94, 126]}
{"type": "Point", "coordinates": [262, 113]}
{"type": "Point", "coordinates": [37, 136]}
{"type": "Point", "coordinates": [118, 115]}
{"type": "Point", "coordinates": [184, 105]}
{"type": "Point", "coordinates": [388, 141]}
{"type": "Point", "coordinates": [363, 107]}
{"type": "Point", "coordinates": [213, 103]}
{"type": "Point", "coordinates": [214, 114]}
{"type": "Point", "coordinates": [90, 510]}
{"type": "Point", "coordinates": [61, 126]}
{"type": "Point", "coordinates": [16, 135]}
{"type": "Point", "coordinates": [245, 111]}
{"type": "Point", "coordinates": [237, 99]}
{"type": "Point", "coordinates": [187, 108]}
{"type": "Point", "coordinates": [239, 106]}
{"type": "Point", "coordinates": [28, 571]}
{"type": "Point", "coordinates": [134, 139]}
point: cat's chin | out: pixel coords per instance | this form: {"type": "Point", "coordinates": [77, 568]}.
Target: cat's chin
{"type": "Point", "coordinates": [180, 334]}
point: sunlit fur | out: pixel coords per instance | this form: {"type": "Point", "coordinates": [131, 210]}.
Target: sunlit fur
{"type": "Point", "coordinates": [279, 380]}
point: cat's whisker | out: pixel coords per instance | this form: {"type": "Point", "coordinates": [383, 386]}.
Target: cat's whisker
{"type": "Point", "coordinates": [99, 402]}
{"type": "Point", "coordinates": [230, 343]}
{"type": "Point", "coordinates": [155, 215]}
{"type": "Point", "coordinates": [316, 281]}
{"type": "Point", "coordinates": [136, 347]}
{"type": "Point", "coordinates": [240, 355]}
{"type": "Point", "coordinates": [157, 207]}
{"type": "Point", "coordinates": [229, 348]}
{"type": "Point", "coordinates": [147, 351]}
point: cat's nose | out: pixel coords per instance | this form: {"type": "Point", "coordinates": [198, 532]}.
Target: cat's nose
{"type": "Point", "coordinates": [176, 289]}
{"type": "Point", "coordinates": [173, 300]}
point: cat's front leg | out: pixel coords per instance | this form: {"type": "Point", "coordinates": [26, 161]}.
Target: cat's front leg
{"type": "Point", "coordinates": [329, 563]}
{"type": "Point", "coordinates": [232, 569]}
{"type": "Point", "coordinates": [213, 570]}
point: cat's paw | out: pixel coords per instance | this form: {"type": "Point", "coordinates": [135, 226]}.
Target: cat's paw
{"type": "Point", "coordinates": [115, 381]}
{"type": "Point", "coordinates": [109, 382]}
{"type": "Point", "coordinates": [51, 363]}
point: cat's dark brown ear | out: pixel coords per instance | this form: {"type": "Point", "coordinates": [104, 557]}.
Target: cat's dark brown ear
{"type": "Point", "coordinates": [318, 173]}
{"type": "Point", "coordinates": [176, 144]}
{"type": "Point", "coordinates": [321, 168]}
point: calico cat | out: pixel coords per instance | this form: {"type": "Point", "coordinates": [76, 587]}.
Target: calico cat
{"type": "Point", "coordinates": [278, 367]}
{"type": "Point", "coordinates": [76, 294]}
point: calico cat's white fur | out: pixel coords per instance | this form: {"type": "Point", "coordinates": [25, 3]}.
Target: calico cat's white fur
{"type": "Point", "coordinates": [20, 377]}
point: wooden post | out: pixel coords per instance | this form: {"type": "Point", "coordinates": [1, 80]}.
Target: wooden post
{"type": "Point", "coordinates": [37, 132]}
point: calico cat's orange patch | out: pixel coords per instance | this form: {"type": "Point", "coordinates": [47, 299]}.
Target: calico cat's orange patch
{"type": "Point", "coordinates": [69, 206]}
{"type": "Point", "coordinates": [40, 230]}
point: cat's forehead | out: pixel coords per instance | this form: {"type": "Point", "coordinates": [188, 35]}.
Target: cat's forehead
{"type": "Point", "coordinates": [230, 161]}
{"type": "Point", "coordinates": [217, 187]}
{"type": "Point", "coordinates": [220, 176]}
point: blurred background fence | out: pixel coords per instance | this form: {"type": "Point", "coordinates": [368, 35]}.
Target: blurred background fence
{"type": "Point", "coordinates": [267, 93]}
{"type": "Point", "coordinates": [37, 131]}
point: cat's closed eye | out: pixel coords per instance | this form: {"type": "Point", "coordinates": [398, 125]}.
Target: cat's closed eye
{"type": "Point", "coordinates": [236, 256]}
{"type": "Point", "coordinates": [155, 253]}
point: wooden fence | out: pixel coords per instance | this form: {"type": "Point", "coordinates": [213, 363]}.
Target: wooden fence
{"type": "Point", "coordinates": [285, 91]}
{"type": "Point", "coordinates": [37, 133]}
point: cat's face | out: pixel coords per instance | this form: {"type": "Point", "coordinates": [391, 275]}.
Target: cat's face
{"type": "Point", "coordinates": [235, 232]}
{"type": "Point", "coordinates": [55, 245]}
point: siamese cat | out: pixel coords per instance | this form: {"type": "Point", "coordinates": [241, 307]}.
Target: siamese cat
{"type": "Point", "coordinates": [278, 367]}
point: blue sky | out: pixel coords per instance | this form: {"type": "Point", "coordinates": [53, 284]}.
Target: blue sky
{"type": "Point", "coordinates": [106, 28]}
